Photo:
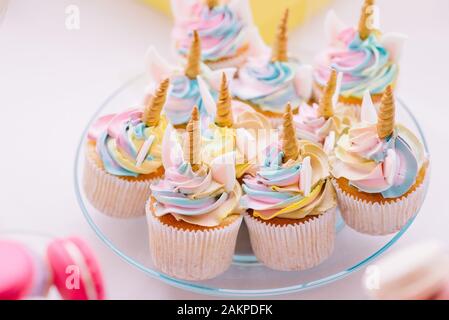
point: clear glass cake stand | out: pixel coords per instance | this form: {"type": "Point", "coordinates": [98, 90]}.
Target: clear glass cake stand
{"type": "Point", "coordinates": [246, 277]}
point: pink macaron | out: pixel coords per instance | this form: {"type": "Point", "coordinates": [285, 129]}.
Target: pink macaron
{"type": "Point", "coordinates": [76, 272]}
{"type": "Point", "coordinates": [418, 272]}
{"type": "Point", "coordinates": [23, 274]}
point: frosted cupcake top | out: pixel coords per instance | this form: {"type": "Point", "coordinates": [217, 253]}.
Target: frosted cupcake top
{"type": "Point", "coordinates": [381, 158]}
{"type": "Point", "coordinates": [129, 143]}
{"type": "Point", "coordinates": [187, 84]}
{"type": "Point", "coordinates": [272, 82]}
{"type": "Point", "coordinates": [232, 127]}
{"type": "Point", "coordinates": [323, 123]}
{"type": "Point", "coordinates": [221, 27]}
{"type": "Point", "coordinates": [192, 191]}
{"type": "Point", "coordinates": [368, 59]}
{"type": "Point", "coordinates": [292, 183]}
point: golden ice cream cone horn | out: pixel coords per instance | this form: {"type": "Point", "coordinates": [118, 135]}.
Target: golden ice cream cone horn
{"type": "Point", "coordinates": [224, 109]}
{"type": "Point", "coordinates": [386, 117]}
{"type": "Point", "coordinates": [193, 140]}
{"type": "Point", "coordinates": [326, 108]}
{"type": "Point", "coordinates": [153, 109]}
{"type": "Point", "coordinates": [280, 46]}
{"type": "Point", "coordinates": [193, 67]}
{"type": "Point", "coordinates": [365, 28]}
{"type": "Point", "coordinates": [212, 3]}
{"type": "Point", "coordinates": [290, 145]}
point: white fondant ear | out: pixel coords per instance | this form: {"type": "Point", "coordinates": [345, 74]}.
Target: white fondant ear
{"type": "Point", "coordinates": [171, 149]}
{"type": "Point", "coordinates": [257, 47]}
{"type": "Point", "coordinates": [158, 68]}
{"type": "Point", "coordinates": [333, 26]}
{"type": "Point", "coordinates": [394, 43]}
{"type": "Point", "coordinates": [207, 98]}
{"type": "Point", "coordinates": [214, 77]}
{"type": "Point", "coordinates": [304, 81]}
{"type": "Point", "coordinates": [368, 113]}
{"type": "Point", "coordinates": [390, 166]}
{"type": "Point", "coordinates": [337, 89]}
{"type": "Point", "coordinates": [223, 170]}
{"type": "Point", "coordinates": [305, 179]}
{"type": "Point", "coordinates": [329, 142]}
{"type": "Point", "coordinates": [180, 9]}
{"type": "Point", "coordinates": [243, 9]}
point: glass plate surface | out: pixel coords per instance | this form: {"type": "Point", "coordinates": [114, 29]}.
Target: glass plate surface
{"type": "Point", "coordinates": [246, 277]}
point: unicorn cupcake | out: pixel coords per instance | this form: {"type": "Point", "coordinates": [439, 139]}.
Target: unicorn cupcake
{"type": "Point", "coordinates": [193, 213]}
{"type": "Point", "coordinates": [185, 82]}
{"type": "Point", "coordinates": [123, 157]}
{"type": "Point", "coordinates": [291, 204]}
{"type": "Point", "coordinates": [268, 83]}
{"type": "Point", "coordinates": [380, 170]}
{"type": "Point", "coordinates": [367, 58]}
{"type": "Point", "coordinates": [223, 27]}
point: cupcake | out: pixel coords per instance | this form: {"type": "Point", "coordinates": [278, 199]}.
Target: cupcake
{"type": "Point", "coordinates": [233, 127]}
{"type": "Point", "coordinates": [269, 83]}
{"type": "Point", "coordinates": [291, 205]}
{"type": "Point", "coordinates": [367, 58]}
{"type": "Point", "coordinates": [380, 172]}
{"type": "Point", "coordinates": [223, 27]}
{"type": "Point", "coordinates": [123, 157]}
{"type": "Point", "coordinates": [323, 123]}
{"type": "Point", "coordinates": [185, 82]}
{"type": "Point", "coordinates": [193, 213]}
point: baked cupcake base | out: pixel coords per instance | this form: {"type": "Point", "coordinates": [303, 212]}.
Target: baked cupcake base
{"type": "Point", "coordinates": [114, 196]}
{"type": "Point", "coordinates": [289, 245]}
{"type": "Point", "coordinates": [191, 252]}
{"type": "Point", "coordinates": [235, 61]}
{"type": "Point", "coordinates": [374, 215]}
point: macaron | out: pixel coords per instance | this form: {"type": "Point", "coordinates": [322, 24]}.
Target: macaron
{"type": "Point", "coordinates": [419, 272]}
{"type": "Point", "coordinates": [23, 274]}
{"type": "Point", "coordinates": [76, 272]}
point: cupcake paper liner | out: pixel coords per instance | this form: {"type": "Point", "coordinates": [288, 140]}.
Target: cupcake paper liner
{"type": "Point", "coordinates": [293, 247]}
{"type": "Point", "coordinates": [379, 219]}
{"type": "Point", "coordinates": [191, 255]}
{"type": "Point", "coordinates": [113, 196]}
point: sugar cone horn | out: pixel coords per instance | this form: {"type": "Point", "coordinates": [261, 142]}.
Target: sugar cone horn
{"type": "Point", "coordinates": [290, 145]}
{"type": "Point", "coordinates": [193, 140]}
{"type": "Point", "coordinates": [386, 117]}
{"type": "Point", "coordinates": [212, 3]}
{"type": "Point", "coordinates": [280, 46]}
{"type": "Point", "coordinates": [224, 110]}
{"type": "Point", "coordinates": [365, 28]}
{"type": "Point", "coordinates": [326, 108]}
{"type": "Point", "coordinates": [194, 58]}
{"type": "Point", "coordinates": [153, 109]}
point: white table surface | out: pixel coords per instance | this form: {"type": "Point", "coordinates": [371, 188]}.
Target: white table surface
{"type": "Point", "coordinates": [52, 80]}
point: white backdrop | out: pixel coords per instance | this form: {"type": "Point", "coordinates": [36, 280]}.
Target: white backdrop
{"type": "Point", "coordinates": [53, 79]}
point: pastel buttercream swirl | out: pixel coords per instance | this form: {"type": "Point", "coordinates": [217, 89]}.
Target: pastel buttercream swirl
{"type": "Point", "coordinates": [269, 86]}
{"type": "Point", "coordinates": [310, 125]}
{"type": "Point", "coordinates": [120, 140]}
{"type": "Point", "coordinates": [222, 32]}
{"type": "Point", "coordinates": [195, 197]}
{"type": "Point", "coordinates": [276, 190]}
{"type": "Point", "coordinates": [386, 166]}
{"type": "Point", "coordinates": [365, 64]}
{"type": "Point", "coordinates": [183, 96]}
